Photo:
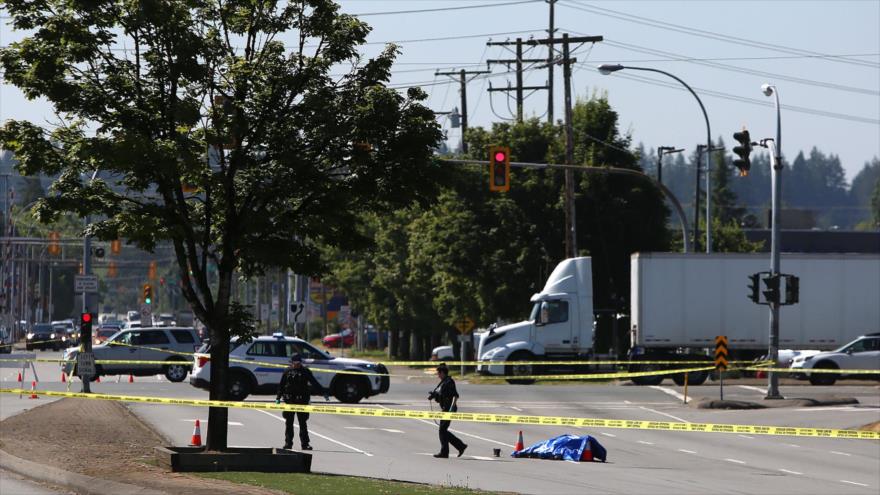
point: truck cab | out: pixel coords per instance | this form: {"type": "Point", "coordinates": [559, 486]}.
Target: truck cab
{"type": "Point", "coordinates": [560, 324]}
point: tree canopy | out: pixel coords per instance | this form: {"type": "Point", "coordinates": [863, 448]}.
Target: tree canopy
{"type": "Point", "coordinates": [217, 126]}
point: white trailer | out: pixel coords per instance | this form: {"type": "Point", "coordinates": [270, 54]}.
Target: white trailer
{"type": "Point", "coordinates": [685, 300]}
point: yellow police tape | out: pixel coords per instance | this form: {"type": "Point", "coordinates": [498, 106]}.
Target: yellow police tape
{"type": "Point", "coordinates": [481, 417]}
{"type": "Point", "coordinates": [814, 370]}
{"type": "Point", "coordinates": [476, 363]}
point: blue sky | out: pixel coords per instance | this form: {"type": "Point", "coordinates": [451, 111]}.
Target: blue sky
{"type": "Point", "coordinates": [844, 91]}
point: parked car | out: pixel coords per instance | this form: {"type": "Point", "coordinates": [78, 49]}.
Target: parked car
{"type": "Point", "coordinates": [145, 344]}
{"type": "Point", "coordinates": [860, 354]}
{"type": "Point", "coordinates": [257, 378]}
{"type": "Point", "coordinates": [43, 336]}
{"type": "Point", "coordinates": [5, 341]}
{"type": "Point", "coordinates": [339, 340]}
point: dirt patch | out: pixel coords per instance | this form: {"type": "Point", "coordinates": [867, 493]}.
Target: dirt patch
{"type": "Point", "coordinates": [872, 427]}
{"type": "Point", "coordinates": [102, 439]}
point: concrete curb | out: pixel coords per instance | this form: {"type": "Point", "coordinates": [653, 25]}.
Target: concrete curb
{"type": "Point", "coordinates": [86, 485]}
{"type": "Point", "coordinates": [706, 403]}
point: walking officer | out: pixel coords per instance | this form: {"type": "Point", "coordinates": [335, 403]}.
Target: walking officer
{"type": "Point", "coordinates": [295, 388]}
{"type": "Point", "coordinates": [447, 396]}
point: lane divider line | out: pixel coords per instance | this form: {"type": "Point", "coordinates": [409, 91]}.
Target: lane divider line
{"type": "Point", "coordinates": [791, 472]}
{"type": "Point", "coordinates": [664, 414]}
{"type": "Point", "coordinates": [312, 432]}
{"type": "Point", "coordinates": [480, 417]}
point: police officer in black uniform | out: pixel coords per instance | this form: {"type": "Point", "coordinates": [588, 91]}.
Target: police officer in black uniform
{"type": "Point", "coordinates": [295, 389]}
{"type": "Point", "coordinates": [447, 396]}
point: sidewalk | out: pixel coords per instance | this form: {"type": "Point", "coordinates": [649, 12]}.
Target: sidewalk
{"type": "Point", "coordinates": [96, 447]}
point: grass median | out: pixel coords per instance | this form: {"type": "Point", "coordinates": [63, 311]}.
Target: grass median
{"type": "Point", "coordinates": [329, 484]}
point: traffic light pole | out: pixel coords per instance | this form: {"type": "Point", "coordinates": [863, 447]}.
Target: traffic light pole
{"type": "Point", "coordinates": [85, 338]}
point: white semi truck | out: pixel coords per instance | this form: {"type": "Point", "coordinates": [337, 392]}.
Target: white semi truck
{"type": "Point", "coordinates": [681, 302]}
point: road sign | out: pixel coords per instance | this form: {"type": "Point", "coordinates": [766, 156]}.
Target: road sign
{"type": "Point", "coordinates": [85, 364]}
{"type": "Point", "coordinates": [85, 283]}
{"type": "Point", "coordinates": [298, 310]}
{"type": "Point", "coordinates": [464, 325]}
{"type": "Point", "coordinates": [464, 338]}
{"type": "Point", "coordinates": [146, 315]}
{"type": "Point", "coordinates": [721, 352]}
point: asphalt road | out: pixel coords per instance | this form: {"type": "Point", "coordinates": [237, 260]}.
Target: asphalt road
{"type": "Point", "coordinates": [639, 461]}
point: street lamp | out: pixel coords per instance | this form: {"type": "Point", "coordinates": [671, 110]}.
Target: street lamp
{"type": "Point", "coordinates": [776, 178]}
{"type": "Point", "coordinates": [664, 150]}
{"type": "Point", "coordinates": [606, 69]}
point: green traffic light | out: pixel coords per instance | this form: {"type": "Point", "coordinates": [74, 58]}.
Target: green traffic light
{"type": "Point", "coordinates": [148, 301]}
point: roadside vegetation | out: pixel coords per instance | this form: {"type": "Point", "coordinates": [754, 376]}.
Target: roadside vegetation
{"type": "Point", "coordinates": [326, 484]}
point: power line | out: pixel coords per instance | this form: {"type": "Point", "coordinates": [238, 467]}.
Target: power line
{"type": "Point", "coordinates": [752, 101]}
{"type": "Point", "coordinates": [704, 34]}
{"type": "Point", "coordinates": [744, 70]}
{"type": "Point", "coordinates": [444, 9]}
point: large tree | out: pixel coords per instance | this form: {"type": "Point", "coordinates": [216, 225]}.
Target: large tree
{"type": "Point", "coordinates": [223, 131]}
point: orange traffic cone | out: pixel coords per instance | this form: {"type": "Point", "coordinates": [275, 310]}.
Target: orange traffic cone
{"type": "Point", "coordinates": [761, 374]}
{"type": "Point", "coordinates": [34, 390]}
{"type": "Point", "coordinates": [197, 436]}
{"type": "Point", "coordinates": [130, 378]}
{"type": "Point", "coordinates": [98, 379]}
{"type": "Point", "coordinates": [588, 453]}
{"type": "Point", "coordinates": [63, 377]}
{"type": "Point", "coordinates": [519, 443]}
{"type": "Point", "coordinates": [19, 377]}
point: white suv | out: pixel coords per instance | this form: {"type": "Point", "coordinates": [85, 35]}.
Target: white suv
{"type": "Point", "coordinates": [860, 354]}
{"type": "Point", "coordinates": [257, 378]}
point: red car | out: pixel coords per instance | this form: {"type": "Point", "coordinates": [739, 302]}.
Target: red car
{"type": "Point", "coordinates": [338, 340]}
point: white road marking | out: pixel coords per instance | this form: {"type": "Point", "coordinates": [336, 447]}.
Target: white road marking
{"type": "Point", "coordinates": [790, 472]}
{"type": "Point", "coordinates": [645, 443]}
{"type": "Point", "coordinates": [686, 451]}
{"type": "Point", "coordinates": [746, 436]}
{"type": "Point", "coordinates": [853, 482]}
{"type": "Point", "coordinates": [735, 460]}
{"type": "Point", "coordinates": [391, 430]}
{"type": "Point", "coordinates": [516, 408]}
{"type": "Point", "coordinates": [607, 434]}
{"type": "Point", "coordinates": [481, 458]}
{"type": "Point", "coordinates": [664, 414]}
{"type": "Point", "coordinates": [756, 389]}
{"type": "Point", "coordinates": [840, 453]}
{"type": "Point", "coordinates": [358, 428]}
{"type": "Point", "coordinates": [460, 432]}
{"type": "Point", "coordinates": [627, 402]}
{"type": "Point", "coordinates": [668, 391]}
{"type": "Point", "coordinates": [793, 445]}
{"type": "Point", "coordinates": [337, 442]}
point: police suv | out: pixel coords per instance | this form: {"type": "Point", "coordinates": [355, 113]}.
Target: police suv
{"type": "Point", "coordinates": [271, 355]}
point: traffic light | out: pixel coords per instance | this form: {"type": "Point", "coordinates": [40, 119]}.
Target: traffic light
{"type": "Point", "coordinates": [792, 289]}
{"type": "Point", "coordinates": [116, 246]}
{"type": "Point", "coordinates": [112, 270]}
{"type": "Point", "coordinates": [754, 287]}
{"type": "Point", "coordinates": [151, 273]}
{"type": "Point", "coordinates": [148, 294]}
{"type": "Point", "coordinates": [771, 293]}
{"type": "Point", "coordinates": [499, 168]}
{"type": "Point", "coordinates": [85, 324]}
{"type": "Point", "coordinates": [742, 151]}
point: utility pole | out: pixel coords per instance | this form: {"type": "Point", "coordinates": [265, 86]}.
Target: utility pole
{"type": "Point", "coordinates": [551, 54]}
{"type": "Point", "coordinates": [463, 80]}
{"type": "Point", "coordinates": [518, 61]}
{"type": "Point", "coordinates": [567, 60]}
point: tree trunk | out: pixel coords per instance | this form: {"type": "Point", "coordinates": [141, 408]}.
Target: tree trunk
{"type": "Point", "coordinates": [218, 416]}
{"type": "Point", "coordinates": [392, 344]}
{"type": "Point", "coordinates": [453, 341]}
{"type": "Point", "coordinates": [404, 344]}
{"type": "Point", "coordinates": [416, 346]}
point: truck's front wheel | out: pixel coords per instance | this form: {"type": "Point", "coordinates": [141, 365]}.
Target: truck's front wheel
{"type": "Point", "coordinates": [515, 369]}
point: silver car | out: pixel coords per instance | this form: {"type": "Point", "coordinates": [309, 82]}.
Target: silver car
{"type": "Point", "coordinates": [170, 345]}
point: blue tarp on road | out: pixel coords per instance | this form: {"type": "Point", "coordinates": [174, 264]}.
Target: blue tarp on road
{"type": "Point", "coordinates": [564, 447]}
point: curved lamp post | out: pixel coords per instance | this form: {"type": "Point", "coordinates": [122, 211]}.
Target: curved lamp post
{"type": "Point", "coordinates": [608, 69]}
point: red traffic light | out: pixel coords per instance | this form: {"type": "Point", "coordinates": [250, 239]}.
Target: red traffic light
{"type": "Point", "coordinates": [499, 168]}
{"type": "Point", "coordinates": [86, 318]}
{"type": "Point", "coordinates": [500, 156]}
